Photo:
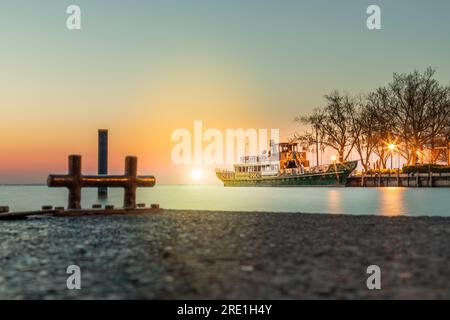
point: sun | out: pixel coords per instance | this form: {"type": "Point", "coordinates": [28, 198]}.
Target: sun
{"type": "Point", "coordinates": [196, 174]}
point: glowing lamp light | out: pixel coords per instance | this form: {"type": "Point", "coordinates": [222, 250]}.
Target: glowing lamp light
{"type": "Point", "coordinates": [333, 158]}
{"type": "Point", "coordinates": [391, 146]}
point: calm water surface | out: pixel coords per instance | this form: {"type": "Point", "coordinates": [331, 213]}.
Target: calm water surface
{"type": "Point", "coordinates": [378, 201]}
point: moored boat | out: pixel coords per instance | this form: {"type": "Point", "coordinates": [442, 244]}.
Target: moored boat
{"type": "Point", "coordinates": [285, 166]}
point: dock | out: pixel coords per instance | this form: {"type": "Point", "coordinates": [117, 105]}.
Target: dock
{"type": "Point", "coordinates": [417, 180]}
{"type": "Point", "coordinates": [61, 212]}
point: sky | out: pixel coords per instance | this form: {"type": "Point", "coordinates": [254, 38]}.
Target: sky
{"type": "Point", "coordinates": [143, 69]}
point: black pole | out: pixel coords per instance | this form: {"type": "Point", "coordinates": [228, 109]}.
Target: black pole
{"type": "Point", "coordinates": [317, 146]}
{"type": "Point", "coordinates": [391, 167]}
{"type": "Point", "coordinates": [102, 159]}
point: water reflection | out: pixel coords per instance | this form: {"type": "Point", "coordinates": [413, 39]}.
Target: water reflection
{"type": "Point", "coordinates": [334, 201]}
{"type": "Point", "coordinates": [376, 201]}
{"type": "Point", "coordinates": [392, 201]}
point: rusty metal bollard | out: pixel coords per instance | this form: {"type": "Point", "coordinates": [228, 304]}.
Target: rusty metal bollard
{"type": "Point", "coordinates": [74, 181]}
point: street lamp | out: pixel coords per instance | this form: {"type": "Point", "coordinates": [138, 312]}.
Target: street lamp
{"type": "Point", "coordinates": [333, 158]}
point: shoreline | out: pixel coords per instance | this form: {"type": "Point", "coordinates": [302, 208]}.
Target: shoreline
{"type": "Point", "coordinates": [300, 213]}
{"type": "Point", "coordinates": [67, 213]}
{"type": "Point", "coordinates": [186, 254]}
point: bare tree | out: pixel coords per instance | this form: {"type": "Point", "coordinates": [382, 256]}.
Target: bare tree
{"type": "Point", "coordinates": [412, 112]}
{"type": "Point", "coordinates": [419, 108]}
{"type": "Point", "coordinates": [331, 124]}
{"type": "Point", "coordinates": [378, 126]}
{"type": "Point", "coordinates": [366, 129]}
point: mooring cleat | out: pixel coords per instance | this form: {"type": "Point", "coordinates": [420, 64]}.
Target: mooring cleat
{"type": "Point", "coordinates": [155, 206]}
{"type": "Point", "coordinates": [109, 207]}
{"type": "Point", "coordinates": [47, 207]}
{"type": "Point", "coordinates": [96, 206]}
{"type": "Point", "coordinates": [140, 205]}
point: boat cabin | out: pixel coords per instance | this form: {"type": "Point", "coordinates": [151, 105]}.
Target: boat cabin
{"type": "Point", "coordinates": [285, 157]}
{"type": "Point", "coordinates": [290, 157]}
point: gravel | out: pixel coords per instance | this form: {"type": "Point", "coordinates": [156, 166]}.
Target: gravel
{"type": "Point", "coordinates": [225, 255]}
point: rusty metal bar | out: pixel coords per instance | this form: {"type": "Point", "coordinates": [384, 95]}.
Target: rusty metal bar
{"type": "Point", "coordinates": [74, 181]}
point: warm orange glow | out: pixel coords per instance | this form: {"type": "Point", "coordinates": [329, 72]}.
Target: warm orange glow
{"type": "Point", "coordinates": [333, 158]}
{"type": "Point", "coordinates": [140, 124]}
{"type": "Point", "coordinates": [196, 174]}
{"type": "Point", "coordinates": [391, 146]}
{"type": "Point", "coordinates": [334, 201]}
{"type": "Point", "coordinates": [392, 201]}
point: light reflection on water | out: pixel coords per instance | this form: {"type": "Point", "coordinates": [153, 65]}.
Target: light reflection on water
{"type": "Point", "coordinates": [392, 201]}
{"type": "Point", "coordinates": [378, 201]}
{"type": "Point", "coordinates": [334, 201]}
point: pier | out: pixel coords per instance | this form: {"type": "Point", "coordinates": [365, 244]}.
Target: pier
{"type": "Point", "coordinates": [417, 180]}
{"type": "Point", "coordinates": [74, 181]}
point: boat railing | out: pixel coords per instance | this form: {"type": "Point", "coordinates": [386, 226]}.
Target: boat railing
{"type": "Point", "coordinates": [293, 171]}
{"type": "Point", "coordinates": [318, 169]}
{"type": "Point", "coordinates": [219, 170]}
{"type": "Point", "coordinates": [255, 159]}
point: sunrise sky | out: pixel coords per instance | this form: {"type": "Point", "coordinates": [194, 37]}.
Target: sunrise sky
{"type": "Point", "coordinates": [145, 68]}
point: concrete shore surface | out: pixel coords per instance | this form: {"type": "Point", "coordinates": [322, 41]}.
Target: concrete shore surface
{"type": "Point", "coordinates": [225, 255]}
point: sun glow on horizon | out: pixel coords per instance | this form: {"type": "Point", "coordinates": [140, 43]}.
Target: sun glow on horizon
{"type": "Point", "coordinates": [196, 174]}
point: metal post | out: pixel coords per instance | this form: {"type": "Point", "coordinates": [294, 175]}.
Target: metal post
{"type": "Point", "coordinates": [102, 160]}
{"type": "Point", "coordinates": [317, 146]}
{"type": "Point", "coordinates": [131, 173]}
{"type": "Point", "coordinates": [398, 168]}
{"type": "Point", "coordinates": [74, 185]}
{"type": "Point", "coordinates": [389, 183]}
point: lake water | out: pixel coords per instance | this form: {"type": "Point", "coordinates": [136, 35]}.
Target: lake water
{"type": "Point", "coordinates": [378, 201]}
